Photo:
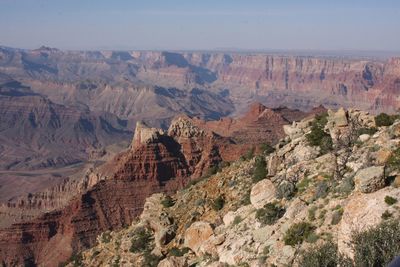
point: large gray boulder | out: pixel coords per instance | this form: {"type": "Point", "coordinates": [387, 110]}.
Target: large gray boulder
{"type": "Point", "coordinates": [370, 179]}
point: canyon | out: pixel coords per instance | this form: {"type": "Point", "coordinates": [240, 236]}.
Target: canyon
{"type": "Point", "coordinates": [87, 136]}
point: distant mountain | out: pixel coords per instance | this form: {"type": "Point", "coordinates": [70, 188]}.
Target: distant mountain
{"type": "Point", "coordinates": [147, 84]}
{"type": "Point", "coordinates": [37, 133]}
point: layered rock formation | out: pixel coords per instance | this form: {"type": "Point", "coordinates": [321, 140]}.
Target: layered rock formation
{"type": "Point", "coordinates": [157, 161]}
{"type": "Point", "coordinates": [121, 82]}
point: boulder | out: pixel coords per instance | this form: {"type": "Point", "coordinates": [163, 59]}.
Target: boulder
{"type": "Point", "coordinates": [364, 137]}
{"type": "Point", "coordinates": [292, 131]}
{"type": "Point", "coordinates": [362, 212]}
{"type": "Point", "coordinates": [340, 118]}
{"type": "Point", "coordinates": [395, 130]}
{"type": "Point", "coordinates": [196, 235]}
{"type": "Point", "coordinates": [370, 179]}
{"type": "Point", "coordinates": [262, 193]}
{"type": "Point", "coordinates": [273, 164]}
{"type": "Point", "coordinates": [383, 155]}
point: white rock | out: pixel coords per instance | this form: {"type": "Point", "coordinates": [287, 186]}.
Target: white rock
{"type": "Point", "coordinates": [262, 193]}
{"type": "Point", "coordinates": [364, 137]}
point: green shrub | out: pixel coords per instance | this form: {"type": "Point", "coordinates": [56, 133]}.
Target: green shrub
{"type": "Point", "coordinates": [302, 185]}
{"type": "Point", "coordinates": [260, 169]}
{"type": "Point", "coordinates": [249, 154]}
{"type": "Point", "coordinates": [77, 260]}
{"type": "Point", "coordinates": [346, 186]}
{"type": "Point", "coordinates": [337, 216]}
{"type": "Point", "coordinates": [150, 260]}
{"type": "Point", "coordinates": [311, 213]}
{"type": "Point", "coordinates": [106, 237]}
{"type": "Point", "coordinates": [297, 233]}
{"type": "Point", "coordinates": [141, 240]}
{"type": "Point", "coordinates": [218, 203]}
{"type": "Point", "coordinates": [266, 149]}
{"type": "Point", "coordinates": [323, 255]}
{"type": "Point", "coordinates": [386, 215]}
{"type": "Point", "coordinates": [285, 190]}
{"type": "Point", "coordinates": [246, 198]}
{"type": "Point", "coordinates": [312, 238]}
{"type": "Point", "coordinates": [212, 170]}
{"type": "Point", "coordinates": [390, 200]}
{"type": "Point", "coordinates": [318, 136]}
{"type": "Point", "coordinates": [270, 213]}
{"type": "Point", "coordinates": [393, 162]}
{"type": "Point", "coordinates": [237, 220]}
{"type": "Point", "coordinates": [177, 252]}
{"type": "Point", "coordinates": [322, 190]}
{"type": "Point", "coordinates": [116, 262]}
{"type": "Point", "coordinates": [384, 119]}
{"type": "Point", "coordinates": [168, 202]}
{"type": "Point", "coordinates": [378, 245]}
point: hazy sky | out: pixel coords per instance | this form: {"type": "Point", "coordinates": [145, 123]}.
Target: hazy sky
{"type": "Point", "coordinates": [202, 24]}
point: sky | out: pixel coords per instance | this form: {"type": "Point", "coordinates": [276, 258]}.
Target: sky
{"type": "Point", "coordinates": [202, 24]}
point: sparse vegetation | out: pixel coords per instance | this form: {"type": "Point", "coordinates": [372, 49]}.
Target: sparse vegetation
{"type": "Point", "coordinates": [285, 190]}
{"type": "Point", "coordinates": [346, 186]}
{"type": "Point", "coordinates": [150, 260]}
{"type": "Point", "coordinates": [318, 136]}
{"type": "Point", "coordinates": [167, 202]}
{"type": "Point", "coordinates": [393, 162]}
{"type": "Point", "coordinates": [218, 203]}
{"type": "Point", "coordinates": [322, 190]}
{"type": "Point", "coordinates": [141, 240]}
{"type": "Point", "coordinates": [249, 154]}
{"type": "Point", "coordinates": [390, 200]}
{"type": "Point", "coordinates": [260, 169]}
{"type": "Point", "coordinates": [384, 119]}
{"type": "Point", "coordinates": [337, 216]}
{"type": "Point", "coordinates": [178, 252]}
{"type": "Point", "coordinates": [270, 213]}
{"type": "Point", "coordinates": [246, 198]}
{"type": "Point", "coordinates": [105, 237]}
{"type": "Point", "coordinates": [386, 215]}
{"type": "Point", "coordinates": [364, 130]}
{"type": "Point", "coordinates": [303, 184]}
{"type": "Point", "coordinates": [237, 220]}
{"type": "Point", "coordinates": [297, 233]}
{"type": "Point", "coordinates": [378, 245]}
{"type": "Point", "coordinates": [311, 213]}
{"type": "Point", "coordinates": [266, 149]}
{"type": "Point", "coordinates": [323, 255]}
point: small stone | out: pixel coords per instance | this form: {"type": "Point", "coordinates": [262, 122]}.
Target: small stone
{"type": "Point", "coordinates": [364, 137]}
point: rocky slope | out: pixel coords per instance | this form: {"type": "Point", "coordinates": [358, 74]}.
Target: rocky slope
{"type": "Point", "coordinates": [306, 196]}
